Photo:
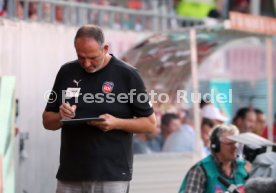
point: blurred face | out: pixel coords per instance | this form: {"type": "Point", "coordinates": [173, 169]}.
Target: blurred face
{"type": "Point", "coordinates": [248, 123]}
{"type": "Point", "coordinates": [228, 148]}
{"type": "Point", "coordinates": [91, 55]}
{"type": "Point", "coordinates": [174, 125]}
{"type": "Point", "coordinates": [260, 124]}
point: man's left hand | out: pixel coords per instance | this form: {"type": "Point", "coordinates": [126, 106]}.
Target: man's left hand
{"type": "Point", "coordinates": [108, 124]}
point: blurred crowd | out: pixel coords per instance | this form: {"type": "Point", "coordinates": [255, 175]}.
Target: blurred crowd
{"type": "Point", "coordinates": [218, 9]}
{"type": "Point", "coordinates": [177, 132]}
{"type": "Point", "coordinates": [63, 14]}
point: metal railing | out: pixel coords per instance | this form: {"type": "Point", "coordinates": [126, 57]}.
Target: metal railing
{"type": "Point", "coordinates": [160, 18]}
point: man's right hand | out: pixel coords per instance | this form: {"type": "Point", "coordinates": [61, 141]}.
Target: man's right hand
{"type": "Point", "coordinates": [67, 111]}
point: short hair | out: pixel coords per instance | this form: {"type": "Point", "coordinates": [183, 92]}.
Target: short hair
{"type": "Point", "coordinates": [230, 129]}
{"type": "Point", "coordinates": [241, 113]}
{"type": "Point", "coordinates": [260, 185]}
{"type": "Point", "coordinates": [258, 111]}
{"type": "Point", "coordinates": [206, 121]}
{"type": "Point", "coordinates": [168, 117]}
{"type": "Point", "coordinates": [91, 31]}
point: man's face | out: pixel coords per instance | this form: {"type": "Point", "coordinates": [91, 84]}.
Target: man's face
{"type": "Point", "coordinates": [260, 124]}
{"type": "Point", "coordinates": [228, 148]}
{"type": "Point", "coordinates": [248, 123]}
{"type": "Point", "coordinates": [173, 126]}
{"type": "Point", "coordinates": [91, 55]}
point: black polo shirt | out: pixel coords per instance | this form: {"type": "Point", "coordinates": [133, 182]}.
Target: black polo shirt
{"type": "Point", "coordinates": [86, 152]}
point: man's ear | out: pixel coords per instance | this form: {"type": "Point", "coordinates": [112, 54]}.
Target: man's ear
{"type": "Point", "coordinates": [106, 48]}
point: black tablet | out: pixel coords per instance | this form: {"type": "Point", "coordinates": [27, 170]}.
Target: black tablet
{"type": "Point", "coordinates": [81, 121]}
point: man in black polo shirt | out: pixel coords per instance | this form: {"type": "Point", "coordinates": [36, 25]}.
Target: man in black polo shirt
{"type": "Point", "coordinates": [96, 157]}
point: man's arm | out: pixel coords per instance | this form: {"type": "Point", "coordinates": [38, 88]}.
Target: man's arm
{"type": "Point", "coordinates": [135, 125]}
{"type": "Point", "coordinates": [51, 120]}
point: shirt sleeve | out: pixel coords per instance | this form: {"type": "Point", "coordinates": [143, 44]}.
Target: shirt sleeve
{"type": "Point", "coordinates": [139, 98]}
{"type": "Point", "coordinates": [54, 95]}
{"type": "Point", "coordinates": [196, 180]}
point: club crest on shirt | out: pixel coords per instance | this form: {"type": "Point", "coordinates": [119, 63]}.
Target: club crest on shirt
{"type": "Point", "coordinates": [107, 87]}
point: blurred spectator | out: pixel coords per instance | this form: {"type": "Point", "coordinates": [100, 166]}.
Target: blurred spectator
{"type": "Point", "coordinates": [138, 24]}
{"type": "Point", "coordinates": [117, 21]}
{"type": "Point", "coordinates": [148, 143]}
{"type": "Point", "coordinates": [185, 116]}
{"type": "Point", "coordinates": [46, 12]}
{"type": "Point", "coordinates": [207, 126]}
{"type": "Point", "coordinates": [210, 111]}
{"type": "Point", "coordinates": [155, 141]}
{"type": "Point", "coordinates": [265, 133]}
{"type": "Point", "coordinates": [3, 7]}
{"type": "Point", "coordinates": [211, 116]}
{"type": "Point", "coordinates": [260, 122]}
{"type": "Point", "coordinates": [218, 10]}
{"type": "Point", "coordinates": [135, 4]}
{"type": "Point", "coordinates": [182, 139]}
{"type": "Point", "coordinates": [170, 123]}
{"type": "Point", "coordinates": [102, 2]}
{"type": "Point", "coordinates": [59, 14]}
{"type": "Point", "coordinates": [127, 23]}
{"type": "Point", "coordinates": [245, 119]}
{"type": "Point", "coordinates": [242, 6]}
{"type": "Point", "coordinates": [98, 17]}
{"type": "Point", "coordinates": [147, 5]}
{"type": "Point", "coordinates": [33, 11]}
{"type": "Point", "coordinates": [140, 145]}
{"type": "Point", "coordinates": [19, 11]}
{"type": "Point", "coordinates": [194, 8]}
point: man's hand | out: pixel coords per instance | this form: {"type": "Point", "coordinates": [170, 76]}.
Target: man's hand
{"type": "Point", "coordinates": [131, 125]}
{"type": "Point", "coordinates": [108, 124]}
{"type": "Point", "coordinates": [67, 111]}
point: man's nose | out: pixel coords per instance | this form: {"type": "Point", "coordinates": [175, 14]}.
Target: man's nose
{"type": "Point", "coordinates": [236, 145]}
{"type": "Point", "coordinates": [87, 63]}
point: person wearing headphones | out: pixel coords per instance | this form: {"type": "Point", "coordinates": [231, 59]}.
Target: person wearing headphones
{"type": "Point", "coordinates": [205, 176]}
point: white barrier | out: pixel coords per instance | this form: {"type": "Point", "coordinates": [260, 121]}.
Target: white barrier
{"type": "Point", "coordinates": [162, 173]}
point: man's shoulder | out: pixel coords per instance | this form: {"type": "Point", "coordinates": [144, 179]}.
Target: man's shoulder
{"type": "Point", "coordinates": [198, 168]}
{"type": "Point", "coordinates": [122, 65]}
{"type": "Point", "coordinates": [70, 64]}
{"type": "Point", "coordinates": [207, 160]}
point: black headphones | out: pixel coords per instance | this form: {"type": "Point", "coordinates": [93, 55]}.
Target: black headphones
{"type": "Point", "coordinates": [214, 139]}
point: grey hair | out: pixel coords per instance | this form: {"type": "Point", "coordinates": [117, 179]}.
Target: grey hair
{"type": "Point", "coordinates": [260, 185]}
{"type": "Point", "coordinates": [91, 31]}
{"type": "Point", "coordinates": [230, 129]}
